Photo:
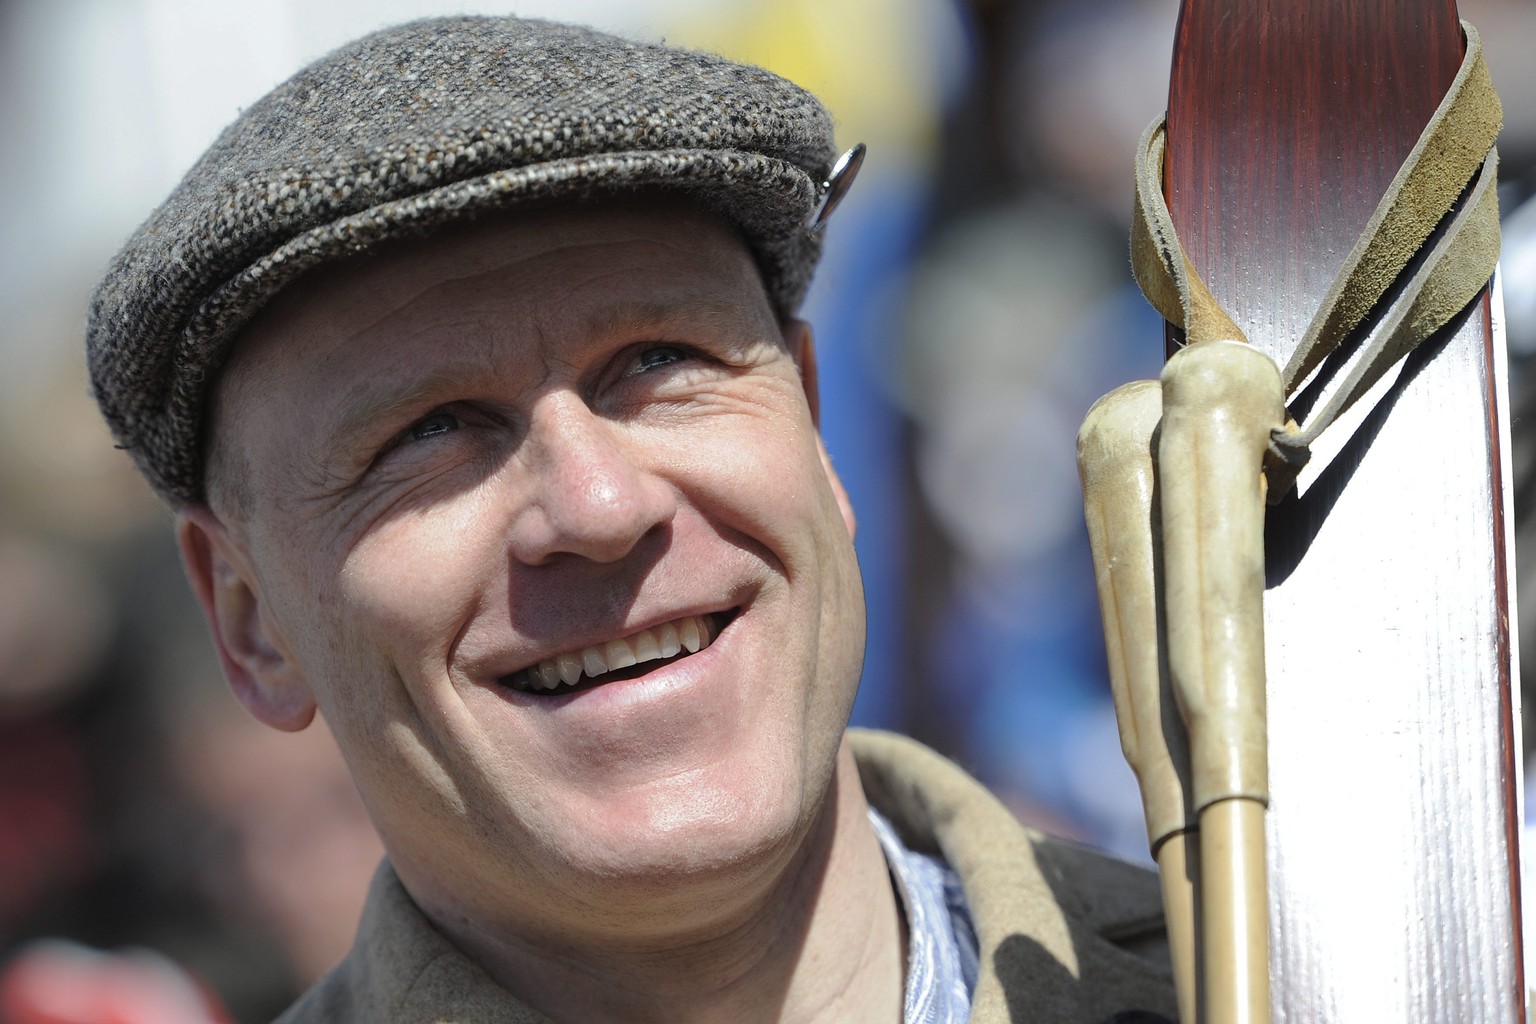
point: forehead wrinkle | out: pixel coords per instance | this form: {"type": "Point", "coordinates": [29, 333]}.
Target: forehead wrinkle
{"type": "Point", "coordinates": [411, 341]}
{"type": "Point", "coordinates": [665, 319]}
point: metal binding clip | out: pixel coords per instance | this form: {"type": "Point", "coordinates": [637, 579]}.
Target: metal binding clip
{"type": "Point", "coordinates": [836, 186]}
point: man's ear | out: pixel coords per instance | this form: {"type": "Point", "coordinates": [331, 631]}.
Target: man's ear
{"type": "Point", "coordinates": [802, 346]}
{"type": "Point", "coordinates": [255, 659]}
{"type": "Point", "coordinates": [838, 491]}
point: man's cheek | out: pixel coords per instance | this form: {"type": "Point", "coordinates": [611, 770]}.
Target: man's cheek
{"type": "Point", "coordinates": [413, 588]}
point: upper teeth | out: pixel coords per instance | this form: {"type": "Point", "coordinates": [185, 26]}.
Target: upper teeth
{"type": "Point", "coordinates": [692, 634]}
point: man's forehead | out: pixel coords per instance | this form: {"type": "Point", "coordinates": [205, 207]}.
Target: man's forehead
{"type": "Point", "coordinates": [441, 282]}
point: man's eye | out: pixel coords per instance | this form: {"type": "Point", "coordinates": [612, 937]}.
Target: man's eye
{"type": "Point", "coordinates": [657, 356]}
{"type": "Point", "coordinates": [433, 425]}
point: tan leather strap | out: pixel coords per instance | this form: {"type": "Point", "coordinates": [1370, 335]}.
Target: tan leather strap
{"type": "Point", "coordinates": [1456, 268]}
{"type": "Point", "coordinates": [1451, 168]}
{"type": "Point", "coordinates": [1157, 259]}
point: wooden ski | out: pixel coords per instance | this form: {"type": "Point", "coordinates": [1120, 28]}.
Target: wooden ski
{"type": "Point", "coordinates": [1393, 750]}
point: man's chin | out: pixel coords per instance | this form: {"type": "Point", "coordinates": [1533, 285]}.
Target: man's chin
{"type": "Point", "coordinates": [709, 853]}
{"type": "Point", "coordinates": [703, 833]}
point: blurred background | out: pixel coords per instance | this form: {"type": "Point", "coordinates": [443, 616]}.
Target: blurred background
{"type": "Point", "coordinates": [974, 301]}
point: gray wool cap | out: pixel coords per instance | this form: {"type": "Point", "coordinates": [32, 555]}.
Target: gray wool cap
{"type": "Point", "coordinates": [411, 129]}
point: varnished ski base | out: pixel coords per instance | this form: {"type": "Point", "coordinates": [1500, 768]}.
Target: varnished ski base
{"type": "Point", "coordinates": [1392, 825]}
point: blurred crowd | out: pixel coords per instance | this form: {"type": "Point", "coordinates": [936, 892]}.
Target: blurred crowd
{"type": "Point", "coordinates": [975, 300]}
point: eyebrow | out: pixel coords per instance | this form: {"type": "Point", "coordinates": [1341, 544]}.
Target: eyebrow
{"type": "Point", "coordinates": [634, 317]}
{"type": "Point", "coordinates": [364, 405]}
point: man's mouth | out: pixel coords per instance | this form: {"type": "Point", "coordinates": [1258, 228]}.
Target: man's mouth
{"type": "Point", "coordinates": [624, 658]}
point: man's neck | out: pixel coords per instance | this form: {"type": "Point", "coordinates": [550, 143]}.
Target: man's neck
{"type": "Point", "coordinates": [823, 941]}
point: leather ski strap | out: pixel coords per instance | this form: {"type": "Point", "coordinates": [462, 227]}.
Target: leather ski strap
{"type": "Point", "coordinates": [1449, 179]}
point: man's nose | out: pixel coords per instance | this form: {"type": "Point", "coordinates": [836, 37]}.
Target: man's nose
{"type": "Point", "coordinates": [591, 491]}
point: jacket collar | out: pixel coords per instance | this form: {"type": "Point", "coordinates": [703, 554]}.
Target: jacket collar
{"type": "Point", "coordinates": [1065, 933]}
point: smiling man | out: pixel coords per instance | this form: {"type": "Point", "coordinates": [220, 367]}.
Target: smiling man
{"type": "Point", "coordinates": [468, 358]}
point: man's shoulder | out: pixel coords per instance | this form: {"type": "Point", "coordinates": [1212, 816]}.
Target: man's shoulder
{"type": "Point", "coordinates": [1066, 932]}
{"type": "Point", "coordinates": [329, 1000]}
{"type": "Point", "coordinates": [402, 970]}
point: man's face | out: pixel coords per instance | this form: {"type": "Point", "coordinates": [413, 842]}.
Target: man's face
{"type": "Point", "coordinates": [570, 438]}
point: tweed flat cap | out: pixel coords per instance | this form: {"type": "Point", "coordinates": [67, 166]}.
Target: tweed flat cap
{"type": "Point", "coordinates": [410, 129]}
